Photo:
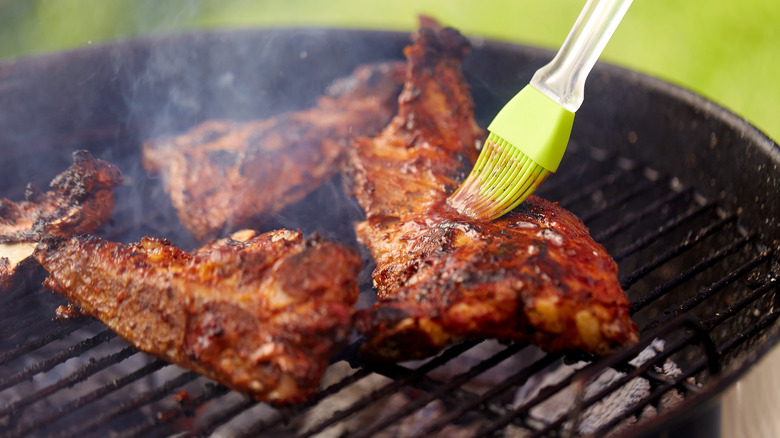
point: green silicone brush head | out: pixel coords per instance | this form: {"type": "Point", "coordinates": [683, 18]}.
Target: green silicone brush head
{"type": "Point", "coordinates": [527, 141]}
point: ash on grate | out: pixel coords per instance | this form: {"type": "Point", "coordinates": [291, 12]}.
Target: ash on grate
{"type": "Point", "coordinates": [379, 410]}
{"type": "Point", "coordinates": [615, 404]}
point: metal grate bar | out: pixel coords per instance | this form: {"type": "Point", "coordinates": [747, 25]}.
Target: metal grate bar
{"type": "Point", "coordinates": [132, 404]}
{"type": "Point", "coordinates": [523, 410]}
{"type": "Point", "coordinates": [21, 324]}
{"type": "Point", "coordinates": [62, 356]}
{"type": "Point", "coordinates": [656, 394]}
{"type": "Point", "coordinates": [423, 383]}
{"type": "Point", "coordinates": [634, 217]}
{"type": "Point", "coordinates": [565, 180]}
{"type": "Point", "coordinates": [684, 276]}
{"type": "Point", "coordinates": [741, 304]}
{"type": "Point", "coordinates": [686, 244]}
{"type": "Point", "coordinates": [451, 385]}
{"type": "Point", "coordinates": [765, 322]}
{"type": "Point", "coordinates": [77, 376]}
{"type": "Point", "coordinates": [391, 387]}
{"type": "Point", "coordinates": [12, 299]}
{"type": "Point", "coordinates": [72, 405]}
{"type": "Point", "coordinates": [687, 387]}
{"type": "Point", "coordinates": [283, 416]}
{"type": "Point", "coordinates": [26, 311]}
{"type": "Point", "coordinates": [662, 230]}
{"type": "Point", "coordinates": [559, 181]}
{"type": "Point", "coordinates": [598, 184]}
{"type": "Point", "coordinates": [707, 292]}
{"type": "Point", "coordinates": [698, 366]}
{"type": "Point", "coordinates": [13, 337]}
{"type": "Point", "coordinates": [623, 357]}
{"type": "Point", "coordinates": [514, 380]}
{"type": "Point", "coordinates": [631, 372]}
{"type": "Point", "coordinates": [637, 189]}
{"type": "Point", "coordinates": [39, 342]}
{"type": "Point", "coordinates": [185, 407]}
{"type": "Point", "coordinates": [222, 418]}
{"type": "Point", "coordinates": [593, 399]}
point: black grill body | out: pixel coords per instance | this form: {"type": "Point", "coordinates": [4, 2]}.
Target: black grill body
{"type": "Point", "coordinates": [681, 192]}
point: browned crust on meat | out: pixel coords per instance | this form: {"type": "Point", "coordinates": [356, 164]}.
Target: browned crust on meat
{"type": "Point", "coordinates": [223, 175]}
{"type": "Point", "coordinates": [535, 274]}
{"type": "Point", "coordinates": [80, 200]}
{"type": "Point", "coordinates": [262, 315]}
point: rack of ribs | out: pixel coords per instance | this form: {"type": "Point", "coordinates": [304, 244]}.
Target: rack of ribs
{"type": "Point", "coordinates": [80, 200]}
{"type": "Point", "coordinates": [224, 175]}
{"type": "Point", "coordinates": [261, 314]}
{"type": "Point", "coordinates": [533, 275]}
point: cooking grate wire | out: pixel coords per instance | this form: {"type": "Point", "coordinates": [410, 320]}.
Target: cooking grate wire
{"type": "Point", "coordinates": [97, 394]}
{"type": "Point", "coordinates": [81, 374]}
{"type": "Point", "coordinates": [675, 211]}
{"type": "Point", "coordinates": [285, 415]}
{"type": "Point", "coordinates": [391, 387]}
{"type": "Point", "coordinates": [697, 299]}
{"type": "Point", "coordinates": [635, 217]}
{"type": "Point", "coordinates": [131, 404]}
{"type": "Point", "coordinates": [221, 418]}
{"type": "Point", "coordinates": [621, 362]}
{"type": "Point", "coordinates": [185, 407]}
{"type": "Point", "coordinates": [597, 184]}
{"type": "Point", "coordinates": [53, 361]}
{"type": "Point", "coordinates": [669, 254]}
{"type": "Point", "coordinates": [711, 360]}
{"type": "Point", "coordinates": [455, 382]}
{"type": "Point", "coordinates": [635, 190]}
{"type": "Point", "coordinates": [735, 341]}
{"type": "Point", "coordinates": [511, 382]}
{"type": "Point", "coordinates": [684, 276]}
{"type": "Point", "coordinates": [50, 336]}
{"type": "Point", "coordinates": [673, 224]}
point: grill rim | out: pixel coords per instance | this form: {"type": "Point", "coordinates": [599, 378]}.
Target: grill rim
{"type": "Point", "coordinates": [750, 134]}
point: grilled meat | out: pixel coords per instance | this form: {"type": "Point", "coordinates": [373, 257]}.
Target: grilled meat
{"type": "Point", "coordinates": [222, 175]}
{"type": "Point", "coordinates": [81, 199]}
{"type": "Point", "coordinates": [261, 314]}
{"type": "Point", "coordinates": [534, 274]}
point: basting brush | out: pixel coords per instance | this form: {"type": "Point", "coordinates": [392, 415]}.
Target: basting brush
{"type": "Point", "coordinates": [529, 135]}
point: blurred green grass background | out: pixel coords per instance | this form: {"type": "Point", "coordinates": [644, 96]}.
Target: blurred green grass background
{"type": "Point", "coordinates": [728, 51]}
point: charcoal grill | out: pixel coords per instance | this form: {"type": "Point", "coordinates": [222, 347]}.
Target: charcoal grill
{"type": "Point", "coordinates": [683, 193]}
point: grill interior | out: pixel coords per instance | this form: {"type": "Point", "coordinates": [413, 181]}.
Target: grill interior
{"type": "Point", "coordinates": [699, 272]}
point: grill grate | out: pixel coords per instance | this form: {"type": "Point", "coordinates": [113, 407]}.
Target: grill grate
{"type": "Point", "coordinates": [696, 278]}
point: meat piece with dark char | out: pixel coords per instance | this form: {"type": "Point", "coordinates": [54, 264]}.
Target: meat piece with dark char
{"type": "Point", "coordinates": [261, 314]}
{"type": "Point", "coordinates": [533, 275]}
{"type": "Point", "coordinates": [80, 200]}
{"type": "Point", "coordinates": [224, 175]}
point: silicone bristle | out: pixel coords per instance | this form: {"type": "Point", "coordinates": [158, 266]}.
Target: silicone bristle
{"type": "Point", "coordinates": [502, 178]}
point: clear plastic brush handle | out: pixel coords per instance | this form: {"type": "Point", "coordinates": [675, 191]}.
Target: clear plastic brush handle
{"type": "Point", "coordinates": [563, 79]}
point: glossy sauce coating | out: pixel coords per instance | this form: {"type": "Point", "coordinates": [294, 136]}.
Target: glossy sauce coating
{"type": "Point", "coordinates": [535, 274]}
{"type": "Point", "coordinates": [260, 314]}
